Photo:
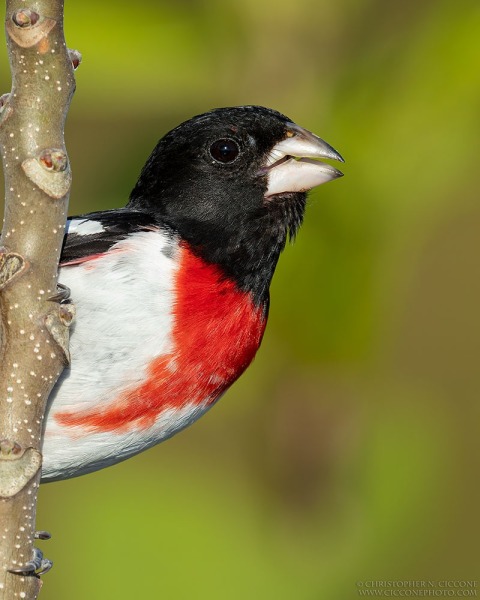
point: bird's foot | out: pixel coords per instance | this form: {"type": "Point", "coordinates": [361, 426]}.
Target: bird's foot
{"type": "Point", "coordinates": [63, 294]}
{"type": "Point", "coordinates": [38, 565]}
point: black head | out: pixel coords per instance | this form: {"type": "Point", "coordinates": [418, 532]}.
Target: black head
{"type": "Point", "coordinates": [220, 180]}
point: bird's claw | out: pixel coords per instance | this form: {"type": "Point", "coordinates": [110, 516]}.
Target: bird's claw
{"type": "Point", "coordinates": [35, 567]}
{"type": "Point", "coordinates": [62, 295]}
{"type": "Point", "coordinates": [45, 567]}
{"type": "Point", "coordinates": [42, 535]}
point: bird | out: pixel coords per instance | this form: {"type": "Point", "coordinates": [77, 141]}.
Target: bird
{"type": "Point", "coordinates": [171, 291]}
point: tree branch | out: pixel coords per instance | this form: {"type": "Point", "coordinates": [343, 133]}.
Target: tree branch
{"type": "Point", "coordinates": [34, 328]}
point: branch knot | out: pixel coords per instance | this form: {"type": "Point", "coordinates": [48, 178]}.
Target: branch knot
{"type": "Point", "coordinates": [27, 28]}
{"type": "Point", "coordinates": [7, 448]}
{"type": "Point", "coordinates": [17, 467]}
{"type": "Point", "coordinates": [76, 58]}
{"type": "Point", "coordinates": [25, 17]}
{"type": "Point", "coordinates": [58, 323]}
{"type": "Point", "coordinates": [50, 172]}
{"type": "Point", "coordinates": [11, 264]}
{"type": "Point", "coordinates": [53, 160]}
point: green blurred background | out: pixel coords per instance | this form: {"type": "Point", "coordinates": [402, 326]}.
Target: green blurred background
{"type": "Point", "coordinates": [349, 450]}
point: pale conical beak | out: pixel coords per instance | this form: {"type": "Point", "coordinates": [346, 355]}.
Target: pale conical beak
{"type": "Point", "coordinates": [290, 166]}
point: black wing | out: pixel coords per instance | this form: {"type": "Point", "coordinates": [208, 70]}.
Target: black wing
{"type": "Point", "coordinates": [95, 233]}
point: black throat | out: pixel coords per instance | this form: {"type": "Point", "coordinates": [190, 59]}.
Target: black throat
{"type": "Point", "coordinates": [246, 250]}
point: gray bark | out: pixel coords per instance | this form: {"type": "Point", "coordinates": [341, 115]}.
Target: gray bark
{"type": "Point", "coordinates": [34, 328]}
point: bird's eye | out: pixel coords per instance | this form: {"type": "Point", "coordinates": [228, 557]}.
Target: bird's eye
{"type": "Point", "coordinates": [224, 151]}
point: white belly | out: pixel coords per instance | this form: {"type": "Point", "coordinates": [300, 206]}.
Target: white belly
{"type": "Point", "coordinates": [124, 320]}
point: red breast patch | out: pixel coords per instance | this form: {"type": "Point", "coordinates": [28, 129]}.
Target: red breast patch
{"type": "Point", "coordinates": [216, 332]}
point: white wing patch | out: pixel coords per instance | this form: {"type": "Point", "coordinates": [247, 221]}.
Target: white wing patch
{"type": "Point", "coordinates": [84, 227]}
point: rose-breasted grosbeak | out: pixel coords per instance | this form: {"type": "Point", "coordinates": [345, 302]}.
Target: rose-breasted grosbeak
{"type": "Point", "coordinates": [172, 291]}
